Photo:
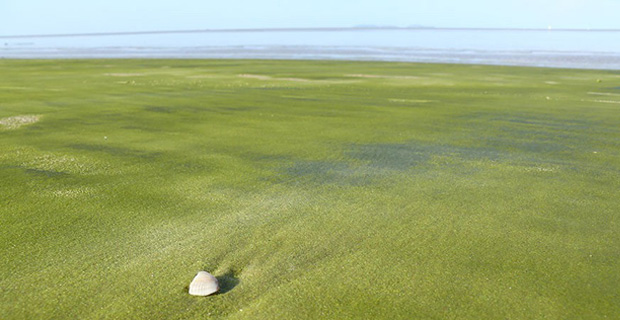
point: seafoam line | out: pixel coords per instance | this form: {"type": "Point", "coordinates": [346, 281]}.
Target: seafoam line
{"type": "Point", "coordinates": [606, 101]}
{"type": "Point", "coordinates": [604, 94]}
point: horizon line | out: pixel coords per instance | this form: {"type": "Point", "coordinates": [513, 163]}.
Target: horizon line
{"type": "Point", "coordinates": [312, 29]}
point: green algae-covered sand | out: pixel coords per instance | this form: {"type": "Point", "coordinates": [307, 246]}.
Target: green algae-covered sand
{"type": "Point", "coordinates": [311, 190]}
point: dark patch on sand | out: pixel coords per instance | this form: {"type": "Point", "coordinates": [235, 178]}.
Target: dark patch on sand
{"type": "Point", "coordinates": [404, 156]}
{"type": "Point", "coordinates": [326, 172]}
{"type": "Point", "coordinates": [117, 151]}
{"type": "Point", "coordinates": [390, 156]}
{"type": "Point", "coordinates": [37, 172]}
{"type": "Point", "coordinates": [197, 109]}
{"type": "Point", "coordinates": [47, 173]}
{"type": "Point", "coordinates": [159, 109]}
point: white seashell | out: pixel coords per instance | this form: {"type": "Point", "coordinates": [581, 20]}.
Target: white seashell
{"type": "Point", "coordinates": [203, 284]}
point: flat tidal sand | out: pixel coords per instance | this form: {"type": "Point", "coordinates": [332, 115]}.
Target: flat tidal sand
{"type": "Point", "coordinates": [308, 189]}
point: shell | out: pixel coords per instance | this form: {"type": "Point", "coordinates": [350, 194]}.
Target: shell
{"type": "Point", "coordinates": [203, 284]}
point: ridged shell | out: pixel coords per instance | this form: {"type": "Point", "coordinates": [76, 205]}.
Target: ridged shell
{"type": "Point", "coordinates": [203, 284]}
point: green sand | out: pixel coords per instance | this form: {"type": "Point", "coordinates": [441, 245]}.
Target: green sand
{"type": "Point", "coordinates": [319, 190]}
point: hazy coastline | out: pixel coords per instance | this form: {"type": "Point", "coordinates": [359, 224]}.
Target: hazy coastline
{"type": "Point", "coordinates": [558, 48]}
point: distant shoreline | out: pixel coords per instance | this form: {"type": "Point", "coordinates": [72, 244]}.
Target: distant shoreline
{"type": "Point", "coordinates": [558, 59]}
{"type": "Point", "coordinates": [326, 29]}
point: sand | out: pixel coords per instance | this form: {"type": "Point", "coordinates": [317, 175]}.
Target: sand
{"type": "Point", "coordinates": [18, 121]}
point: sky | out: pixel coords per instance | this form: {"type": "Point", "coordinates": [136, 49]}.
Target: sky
{"type": "Point", "coordinates": [23, 17]}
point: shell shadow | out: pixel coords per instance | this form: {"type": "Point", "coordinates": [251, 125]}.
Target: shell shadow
{"type": "Point", "coordinates": [227, 282]}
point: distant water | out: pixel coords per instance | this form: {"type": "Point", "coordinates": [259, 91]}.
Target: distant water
{"type": "Point", "coordinates": [547, 48]}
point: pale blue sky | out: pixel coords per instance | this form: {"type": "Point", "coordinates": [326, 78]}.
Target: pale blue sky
{"type": "Point", "coordinates": [79, 16]}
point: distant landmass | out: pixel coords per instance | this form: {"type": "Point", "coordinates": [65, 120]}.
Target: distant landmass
{"type": "Point", "coordinates": [314, 29]}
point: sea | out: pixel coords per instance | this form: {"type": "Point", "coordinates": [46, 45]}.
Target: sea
{"type": "Point", "coordinates": [583, 49]}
